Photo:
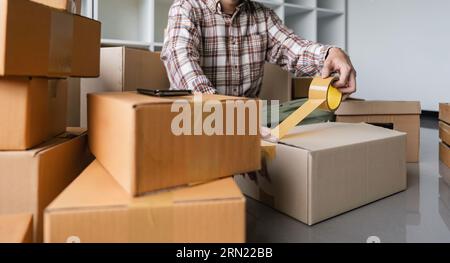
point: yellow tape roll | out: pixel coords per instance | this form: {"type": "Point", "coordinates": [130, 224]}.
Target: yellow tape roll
{"type": "Point", "coordinates": [322, 94]}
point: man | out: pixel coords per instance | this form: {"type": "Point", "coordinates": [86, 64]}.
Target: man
{"type": "Point", "coordinates": [220, 46]}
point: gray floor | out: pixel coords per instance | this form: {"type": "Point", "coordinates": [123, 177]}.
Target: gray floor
{"type": "Point", "coordinates": [420, 214]}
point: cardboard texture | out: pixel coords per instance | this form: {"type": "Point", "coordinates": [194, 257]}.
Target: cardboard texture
{"type": "Point", "coordinates": [401, 116]}
{"type": "Point", "coordinates": [444, 153]}
{"type": "Point", "coordinates": [131, 136]}
{"type": "Point", "coordinates": [47, 42]}
{"type": "Point", "coordinates": [444, 132]}
{"type": "Point", "coordinates": [444, 112]}
{"type": "Point", "coordinates": [31, 111]}
{"type": "Point", "coordinates": [300, 87]}
{"type": "Point", "coordinates": [30, 180]}
{"type": "Point", "coordinates": [124, 69]}
{"type": "Point", "coordinates": [276, 84]}
{"type": "Point", "coordinates": [322, 170]}
{"type": "Point", "coordinates": [73, 102]}
{"type": "Point", "coordinates": [72, 6]}
{"type": "Point", "coordinates": [16, 228]}
{"type": "Point", "coordinates": [211, 212]}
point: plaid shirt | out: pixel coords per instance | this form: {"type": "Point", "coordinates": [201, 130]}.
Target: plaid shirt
{"type": "Point", "coordinates": [208, 51]}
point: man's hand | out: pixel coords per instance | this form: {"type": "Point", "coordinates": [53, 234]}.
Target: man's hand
{"type": "Point", "coordinates": [266, 134]}
{"type": "Point", "coordinates": [338, 62]}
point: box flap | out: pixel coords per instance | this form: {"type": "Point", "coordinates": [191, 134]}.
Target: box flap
{"type": "Point", "coordinates": [69, 135]}
{"type": "Point", "coordinates": [354, 107]}
{"type": "Point", "coordinates": [96, 188]}
{"type": "Point", "coordinates": [15, 228]}
{"type": "Point", "coordinates": [134, 99]}
{"type": "Point", "coordinates": [324, 136]}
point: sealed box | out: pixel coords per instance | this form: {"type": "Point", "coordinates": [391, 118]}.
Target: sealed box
{"type": "Point", "coordinates": [300, 87]}
{"type": "Point", "coordinates": [401, 116]}
{"type": "Point", "coordinates": [149, 143]}
{"type": "Point", "coordinates": [322, 170]}
{"type": "Point", "coordinates": [72, 6]}
{"type": "Point", "coordinates": [94, 208]}
{"type": "Point", "coordinates": [16, 228]}
{"type": "Point", "coordinates": [30, 180]}
{"type": "Point", "coordinates": [444, 112]}
{"type": "Point", "coordinates": [124, 69]}
{"type": "Point", "coordinates": [32, 110]}
{"type": "Point", "coordinates": [37, 40]}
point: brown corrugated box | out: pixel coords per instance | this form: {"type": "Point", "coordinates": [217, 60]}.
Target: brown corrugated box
{"type": "Point", "coordinates": [276, 84]}
{"type": "Point", "coordinates": [124, 69]}
{"type": "Point", "coordinates": [94, 208]}
{"type": "Point", "coordinates": [47, 42]}
{"type": "Point", "coordinates": [322, 170]}
{"type": "Point", "coordinates": [444, 132]}
{"type": "Point", "coordinates": [72, 6]}
{"type": "Point", "coordinates": [444, 153]}
{"type": "Point", "coordinates": [444, 112]}
{"type": "Point", "coordinates": [131, 136]}
{"type": "Point", "coordinates": [31, 111]}
{"type": "Point", "coordinates": [16, 228]}
{"type": "Point", "coordinates": [30, 180]}
{"type": "Point", "coordinates": [402, 116]}
{"type": "Point", "coordinates": [300, 87]}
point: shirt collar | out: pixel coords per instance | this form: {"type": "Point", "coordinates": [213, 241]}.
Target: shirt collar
{"type": "Point", "coordinates": [214, 5]}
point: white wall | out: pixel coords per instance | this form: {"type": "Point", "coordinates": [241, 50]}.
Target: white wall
{"type": "Point", "coordinates": [401, 49]}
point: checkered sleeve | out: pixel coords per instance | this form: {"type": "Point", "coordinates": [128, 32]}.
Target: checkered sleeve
{"type": "Point", "coordinates": [294, 54]}
{"type": "Point", "coordinates": [180, 53]}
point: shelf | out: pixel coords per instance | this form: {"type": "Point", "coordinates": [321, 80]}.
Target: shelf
{"type": "Point", "coordinates": [294, 9]}
{"type": "Point", "coordinates": [307, 3]}
{"type": "Point", "coordinates": [127, 43]}
{"type": "Point", "coordinates": [324, 13]}
{"type": "Point", "coordinates": [270, 4]}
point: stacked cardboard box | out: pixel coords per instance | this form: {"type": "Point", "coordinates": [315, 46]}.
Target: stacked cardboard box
{"type": "Point", "coordinates": [39, 47]}
{"type": "Point", "coordinates": [444, 133]}
{"type": "Point", "coordinates": [124, 69]}
{"type": "Point", "coordinates": [403, 116]}
{"type": "Point", "coordinates": [145, 167]}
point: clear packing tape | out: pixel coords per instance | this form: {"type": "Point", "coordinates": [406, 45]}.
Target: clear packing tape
{"type": "Point", "coordinates": [322, 95]}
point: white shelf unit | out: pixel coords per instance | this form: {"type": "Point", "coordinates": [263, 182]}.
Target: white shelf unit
{"type": "Point", "coordinates": [141, 23]}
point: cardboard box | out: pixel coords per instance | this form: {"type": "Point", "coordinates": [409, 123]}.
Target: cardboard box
{"type": "Point", "coordinates": [16, 228]}
{"type": "Point", "coordinates": [30, 180]}
{"type": "Point", "coordinates": [72, 6]}
{"type": "Point", "coordinates": [47, 42]}
{"type": "Point", "coordinates": [300, 87]}
{"type": "Point", "coordinates": [444, 112]}
{"type": "Point", "coordinates": [276, 84]}
{"type": "Point", "coordinates": [31, 111]}
{"type": "Point", "coordinates": [131, 136]}
{"type": "Point", "coordinates": [211, 212]}
{"type": "Point", "coordinates": [124, 69]}
{"type": "Point", "coordinates": [444, 132]}
{"type": "Point", "coordinates": [444, 153]}
{"type": "Point", "coordinates": [73, 102]}
{"type": "Point", "coordinates": [322, 170]}
{"type": "Point", "coordinates": [401, 116]}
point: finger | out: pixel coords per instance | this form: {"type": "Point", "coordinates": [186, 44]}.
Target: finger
{"type": "Point", "coordinates": [352, 82]}
{"type": "Point", "coordinates": [326, 71]}
{"type": "Point", "coordinates": [344, 73]}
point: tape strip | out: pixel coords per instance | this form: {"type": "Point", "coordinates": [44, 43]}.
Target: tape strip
{"type": "Point", "coordinates": [268, 150]}
{"type": "Point", "coordinates": [322, 94]}
{"type": "Point", "coordinates": [61, 43]}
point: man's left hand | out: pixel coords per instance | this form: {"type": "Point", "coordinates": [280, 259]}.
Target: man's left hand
{"type": "Point", "coordinates": [338, 62]}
